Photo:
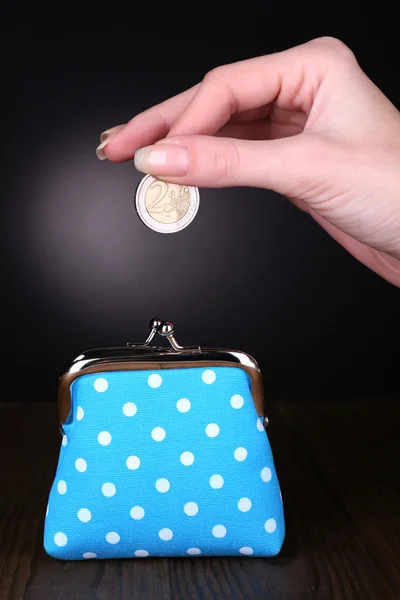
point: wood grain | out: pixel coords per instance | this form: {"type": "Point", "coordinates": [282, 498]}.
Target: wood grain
{"type": "Point", "coordinates": [339, 467]}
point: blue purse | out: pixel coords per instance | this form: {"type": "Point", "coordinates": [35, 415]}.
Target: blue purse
{"type": "Point", "coordinates": [164, 452]}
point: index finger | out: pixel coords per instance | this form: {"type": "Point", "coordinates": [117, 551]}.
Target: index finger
{"type": "Point", "coordinates": [227, 90]}
{"type": "Point", "coordinates": [147, 127]}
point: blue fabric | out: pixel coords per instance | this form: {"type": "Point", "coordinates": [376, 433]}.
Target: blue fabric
{"type": "Point", "coordinates": [172, 462]}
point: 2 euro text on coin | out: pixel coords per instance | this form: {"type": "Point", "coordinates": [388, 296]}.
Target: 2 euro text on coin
{"type": "Point", "coordinates": [166, 207]}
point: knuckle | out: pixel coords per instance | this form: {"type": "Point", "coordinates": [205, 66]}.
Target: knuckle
{"type": "Point", "coordinates": [216, 74]}
{"type": "Point", "coordinates": [333, 48]}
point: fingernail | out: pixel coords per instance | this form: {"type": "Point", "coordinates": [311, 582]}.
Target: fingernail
{"type": "Point", "coordinates": [110, 131]}
{"type": "Point", "coordinates": [163, 159]}
{"type": "Point", "coordinates": [105, 137]}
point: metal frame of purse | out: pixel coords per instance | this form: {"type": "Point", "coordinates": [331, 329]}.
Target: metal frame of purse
{"type": "Point", "coordinates": [143, 356]}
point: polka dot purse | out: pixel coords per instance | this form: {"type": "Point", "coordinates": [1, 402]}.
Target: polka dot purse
{"type": "Point", "coordinates": [164, 453]}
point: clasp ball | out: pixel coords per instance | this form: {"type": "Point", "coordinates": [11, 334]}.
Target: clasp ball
{"type": "Point", "coordinates": [167, 328]}
{"type": "Point", "coordinates": [156, 324]}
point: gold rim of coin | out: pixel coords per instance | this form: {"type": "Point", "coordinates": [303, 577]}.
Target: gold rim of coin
{"type": "Point", "coordinates": [166, 207]}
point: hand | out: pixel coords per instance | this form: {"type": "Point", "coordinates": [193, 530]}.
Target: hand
{"type": "Point", "coordinates": [307, 123]}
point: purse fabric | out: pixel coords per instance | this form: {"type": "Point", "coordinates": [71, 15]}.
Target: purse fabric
{"type": "Point", "coordinates": [171, 462]}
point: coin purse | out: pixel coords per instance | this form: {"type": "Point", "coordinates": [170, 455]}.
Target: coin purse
{"type": "Point", "coordinates": [164, 452]}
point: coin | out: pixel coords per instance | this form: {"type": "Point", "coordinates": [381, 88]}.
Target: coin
{"type": "Point", "coordinates": [166, 207]}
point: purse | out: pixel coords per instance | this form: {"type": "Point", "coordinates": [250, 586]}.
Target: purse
{"type": "Point", "coordinates": [164, 452]}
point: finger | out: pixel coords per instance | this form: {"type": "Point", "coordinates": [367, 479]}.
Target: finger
{"type": "Point", "coordinates": [210, 161]}
{"type": "Point", "coordinates": [146, 128]}
{"type": "Point", "coordinates": [227, 90]}
{"type": "Point", "coordinates": [291, 78]}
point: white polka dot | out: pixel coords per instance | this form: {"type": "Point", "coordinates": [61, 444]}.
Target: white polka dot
{"type": "Point", "coordinates": [240, 454]}
{"type": "Point", "coordinates": [246, 550]}
{"type": "Point", "coordinates": [270, 525]}
{"type": "Point", "coordinates": [104, 438]}
{"type": "Point", "coordinates": [260, 425]}
{"type": "Point", "coordinates": [101, 384]}
{"type": "Point", "coordinates": [108, 489]}
{"type": "Point", "coordinates": [84, 515]}
{"type": "Point", "coordinates": [137, 513]}
{"type": "Point", "coordinates": [266, 474]}
{"type": "Point", "coordinates": [208, 376]}
{"type": "Point", "coordinates": [112, 537]}
{"type": "Point", "coordinates": [219, 531]}
{"type": "Point", "coordinates": [237, 401]}
{"type": "Point", "coordinates": [80, 465]}
{"type": "Point", "coordinates": [165, 534]}
{"type": "Point", "coordinates": [191, 509]}
{"type": "Point", "coordinates": [129, 409]}
{"type": "Point", "coordinates": [187, 458]}
{"type": "Point", "coordinates": [158, 434]}
{"type": "Point", "coordinates": [133, 462]}
{"type": "Point", "coordinates": [47, 510]}
{"type": "Point", "coordinates": [154, 380]}
{"type": "Point", "coordinates": [64, 440]}
{"type": "Point", "coordinates": [212, 430]}
{"type": "Point", "coordinates": [79, 413]}
{"type": "Point", "coordinates": [89, 555]}
{"type": "Point", "coordinates": [60, 539]}
{"type": "Point", "coordinates": [244, 504]}
{"type": "Point", "coordinates": [141, 553]}
{"type": "Point", "coordinates": [194, 551]}
{"type": "Point", "coordinates": [62, 487]}
{"type": "Point", "coordinates": [162, 485]}
{"type": "Point", "coordinates": [216, 481]}
{"type": "Point", "coordinates": [183, 405]}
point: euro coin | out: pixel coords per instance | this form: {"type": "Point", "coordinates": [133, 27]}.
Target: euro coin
{"type": "Point", "coordinates": [166, 207]}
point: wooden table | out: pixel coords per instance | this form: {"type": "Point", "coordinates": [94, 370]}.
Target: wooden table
{"type": "Point", "coordinates": [339, 467]}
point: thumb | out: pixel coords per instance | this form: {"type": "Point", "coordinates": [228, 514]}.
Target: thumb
{"type": "Point", "coordinates": [207, 161]}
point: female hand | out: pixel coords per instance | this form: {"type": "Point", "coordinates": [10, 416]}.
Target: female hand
{"type": "Point", "coordinates": [307, 123]}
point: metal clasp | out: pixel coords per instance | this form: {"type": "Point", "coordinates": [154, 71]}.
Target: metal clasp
{"type": "Point", "coordinates": [165, 329]}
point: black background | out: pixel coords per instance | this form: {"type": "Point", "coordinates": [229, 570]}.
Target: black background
{"type": "Point", "coordinates": [80, 270]}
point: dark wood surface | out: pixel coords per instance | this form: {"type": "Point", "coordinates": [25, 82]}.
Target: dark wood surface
{"type": "Point", "coordinates": [339, 467]}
